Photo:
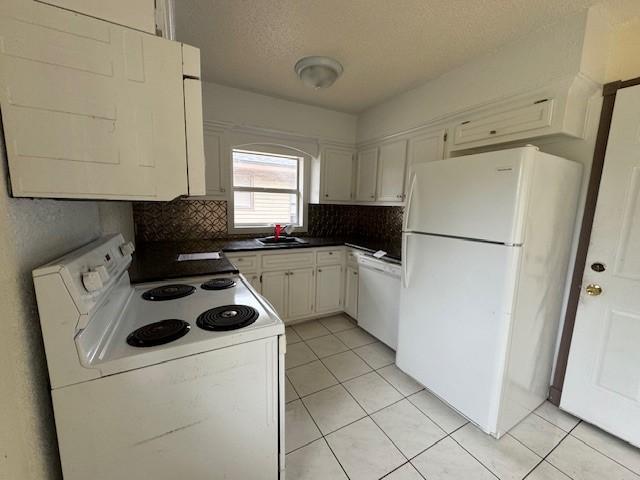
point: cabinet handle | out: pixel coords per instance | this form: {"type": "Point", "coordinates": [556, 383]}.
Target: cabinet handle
{"type": "Point", "coordinates": [493, 132]}
{"type": "Point", "coordinates": [222, 190]}
{"type": "Point", "coordinates": [319, 270]}
{"type": "Point", "coordinates": [326, 194]}
{"type": "Point", "coordinates": [330, 253]}
{"type": "Point", "coordinates": [373, 196]}
{"type": "Point", "coordinates": [355, 273]}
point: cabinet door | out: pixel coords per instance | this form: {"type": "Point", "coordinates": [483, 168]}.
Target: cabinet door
{"type": "Point", "coordinates": [366, 175]}
{"type": "Point", "coordinates": [213, 162]}
{"type": "Point", "coordinates": [351, 292]}
{"type": "Point", "coordinates": [90, 109]}
{"type": "Point", "coordinates": [138, 14]}
{"type": "Point", "coordinates": [337, 166]}
{"type": "Point", "coordinates": [391, 170]}
{"type": "Point", "coordinates": [274, 288]}
{"type": "Point", "coordinates": [426, 147]}
{"type": "Point", "coordinates": [254, 280]}
{"type": "Point", "coordinates": [329, 289]}
{"type": "Point", "coordinates": [301, 292]}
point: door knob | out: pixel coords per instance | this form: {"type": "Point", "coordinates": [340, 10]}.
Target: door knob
{"type": "Point", "coordinates": [593, 289]}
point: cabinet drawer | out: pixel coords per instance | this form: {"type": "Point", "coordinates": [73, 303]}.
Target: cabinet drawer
{"type": "Point", "coordinates": [287, 260]}
{"type": "Point", "coordinates": [529, 117]}
{"type": "Point", "coordinates": [330, 257]}
{"type": "Point", "coordinates": [244, 263]}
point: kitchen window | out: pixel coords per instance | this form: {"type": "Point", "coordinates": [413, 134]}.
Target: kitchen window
{"type": "Point", "coordinates": [266, 189]}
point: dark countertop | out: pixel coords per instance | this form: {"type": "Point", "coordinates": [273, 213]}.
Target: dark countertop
{"type": "Point", "coordinates": [155, 261]}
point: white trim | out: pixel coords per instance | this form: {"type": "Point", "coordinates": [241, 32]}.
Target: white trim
{"type": "Point", "coordinates": [277, 149]}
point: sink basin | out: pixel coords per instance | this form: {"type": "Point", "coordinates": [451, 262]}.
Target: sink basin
{"type": "Point", "coordinates": [280, 240]}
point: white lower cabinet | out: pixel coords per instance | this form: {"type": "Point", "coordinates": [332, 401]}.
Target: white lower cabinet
{"type": "Point", "coordinates": [351, 292]}
{"type": "Point", "coordinates": [329, 289]}
{"type": "Point", "coordinates": [298, 284]}
{"type": "Point", "coordinates": [254, 280]}
{"type": "Point", "coordinates": [301, 292]}
{"type": "Point", "coordinates": [274, 288]}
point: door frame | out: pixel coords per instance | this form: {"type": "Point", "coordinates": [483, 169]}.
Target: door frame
{"type": "Point", "coordinates": [609, 92]}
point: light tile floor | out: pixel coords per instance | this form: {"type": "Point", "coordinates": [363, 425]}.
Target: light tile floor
{"type": "Point", "coordinates": [352, 414]}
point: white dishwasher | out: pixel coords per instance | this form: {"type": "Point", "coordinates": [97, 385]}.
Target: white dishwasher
{"type": "Point", "coordinates": [379, 298]}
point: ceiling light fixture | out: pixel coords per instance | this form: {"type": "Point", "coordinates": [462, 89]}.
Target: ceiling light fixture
{"type": "Point", "coordinates": [318, 72]}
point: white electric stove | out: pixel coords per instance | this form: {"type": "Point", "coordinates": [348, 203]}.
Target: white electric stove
{"type": "Point", "coordinates": [180, 378]}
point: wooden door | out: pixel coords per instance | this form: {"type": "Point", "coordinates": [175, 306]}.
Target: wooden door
{"type": "Point", "coordinates": [366, 175]}
{"type": "Point", "coordinates": [602, 383]}
{"type": "Point", "coordinates": [337, 166]}
{"type": "Point", "coordinates": [391, 171]}
{"type": "Point", "coordinates": [301, 292]}
{"type": "Point", "coordinates": [274, 289]}
{"type": "Point", "coordinates": [329, 289]}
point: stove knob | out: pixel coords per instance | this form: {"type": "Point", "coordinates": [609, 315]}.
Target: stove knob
{"type": "Point", "coordinates": [92, 281]}
{"type": "Point", "coordinates": [103, 272]}
{"type": "Point", "coordinates": [127, 249]}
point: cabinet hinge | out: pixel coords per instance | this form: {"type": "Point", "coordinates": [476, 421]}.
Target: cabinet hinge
{"type": "Point", "coordinates": [541, 101]}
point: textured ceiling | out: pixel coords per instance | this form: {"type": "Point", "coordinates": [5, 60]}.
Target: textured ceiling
{"type": "Point", "coordinates": [385, 46]}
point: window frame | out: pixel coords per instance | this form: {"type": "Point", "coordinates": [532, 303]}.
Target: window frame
{"type": "Point", "coordinates": [300, 191]}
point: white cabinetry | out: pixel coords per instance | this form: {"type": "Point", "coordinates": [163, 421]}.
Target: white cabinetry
{"type": "Point", "coordinates": [366, 174]}
{"type": "Point", "coordinates": [301, 292]}
{"type": "Point", "coordinates": [329, 289]}
{"type": "Point", "coordinates": [299, 284]}
{"type": "Point", "coordinates": [138, 14]}
{"type": "Point", "coordinates": [92, 109]}
{"type": "Point", "coordinates": [213, 152]}
{"type": "Point", "coordinates": [425, 147]}
{"type": "Point", "coordinates": [332, 176]}
{"type": "Point", "coordinates": [275, 288]}
{"type": "Point", "coordinates": [351, 292]}
{"type": "Point", "coordinates": [391, 166]}
{"type": "Point", "coordinates": [557, 109]}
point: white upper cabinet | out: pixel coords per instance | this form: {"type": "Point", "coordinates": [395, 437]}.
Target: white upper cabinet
{"type": "Point", "coordinates": [391, 167]}
{"type": "Point", "coordinates": [425, 147]}
{"type": "Point", "coordinates": [366, 175]}
{"type": "Point", "coordinates": [91, 109]}
{"type": "Point", "coordinates": [213, 153]}
{"type": "Point", "coordinates": [138, 14]}
{"type": "Point", "coordinates": [338, 174]}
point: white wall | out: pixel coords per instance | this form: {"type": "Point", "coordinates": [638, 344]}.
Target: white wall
{"type": "Point", "coordinates": [624, 61]}
{"type": "Point", "coordinates": [532, 61]}
{"type": "Point", "coordinates": [248, 109]}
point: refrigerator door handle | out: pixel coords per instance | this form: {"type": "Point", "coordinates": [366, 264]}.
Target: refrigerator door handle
{"type": "Point", "coordinates": [407, 210]}
{"type": "Point", "coordinates": [405, 243]}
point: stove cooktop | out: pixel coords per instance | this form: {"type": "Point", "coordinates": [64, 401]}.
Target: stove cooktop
{"type": "Point", "coordinates": [218, 327]}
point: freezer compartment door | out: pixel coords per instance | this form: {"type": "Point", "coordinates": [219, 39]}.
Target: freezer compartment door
{"type": "Point", "coordinates": [477, 196]}
{"type": "Point", "coordinates": [455, 315]}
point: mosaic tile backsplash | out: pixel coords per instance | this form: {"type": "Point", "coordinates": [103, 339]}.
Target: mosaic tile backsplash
{"type": "Point", "coordinates": [207, 219]}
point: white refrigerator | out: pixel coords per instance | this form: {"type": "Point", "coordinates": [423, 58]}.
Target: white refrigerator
{"type": "Point", "coordinates": [486, 246]}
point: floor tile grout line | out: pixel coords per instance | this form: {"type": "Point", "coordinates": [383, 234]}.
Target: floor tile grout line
{"type": "Point", "coordinates": [396, 469]}
{"type": "Point", "coordinates": [323, 437]}
{"type": "Point", "coordinates": [600, 452]}
{"type": "Point", "coordinates": [472, 455]}
{"type": "Point", "coordinates": [544, 459]}
{"type": "Point", "coordinates": [336, 457]}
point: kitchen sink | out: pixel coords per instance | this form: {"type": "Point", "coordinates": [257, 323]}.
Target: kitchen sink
{"type": "Point", "coordinates": [280, 240]}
